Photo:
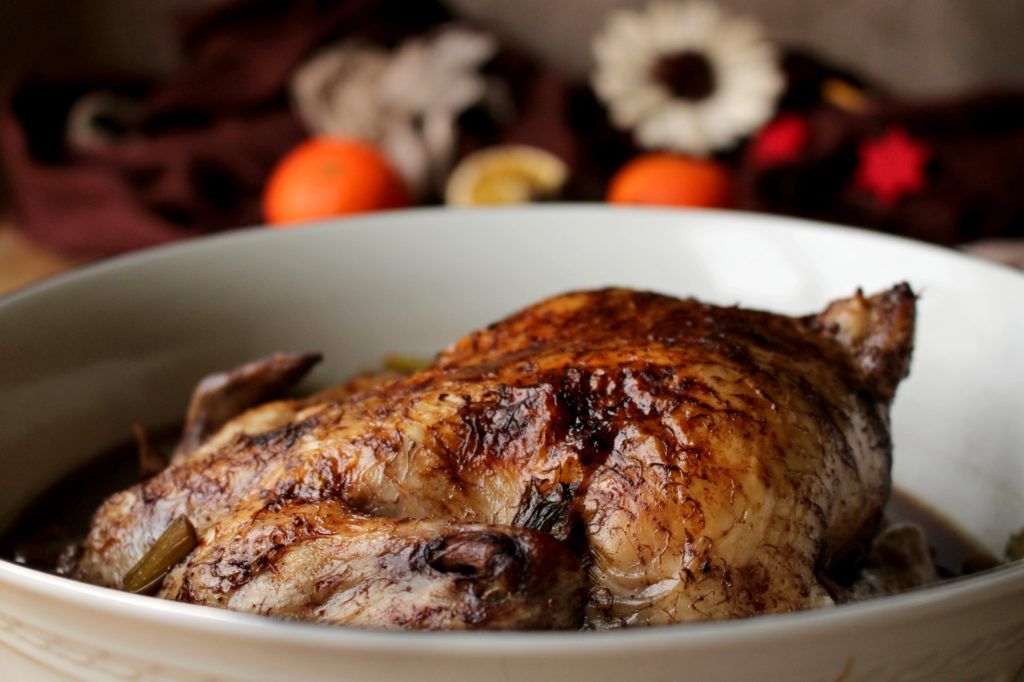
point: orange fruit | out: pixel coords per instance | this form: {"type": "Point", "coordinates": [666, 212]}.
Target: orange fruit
{"type": "Point", "coordinates": [324, 177]}
{"type": "Point", "coordinates": [665, 179]}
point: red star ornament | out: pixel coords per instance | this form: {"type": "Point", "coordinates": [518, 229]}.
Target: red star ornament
{"type": "Point", "coordinates": [892, 166]}
{"type": "Point", "coordinates": [781, 141]}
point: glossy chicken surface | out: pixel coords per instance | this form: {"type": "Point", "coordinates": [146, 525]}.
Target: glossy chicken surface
{"type": "Point", "coordinates": [606, 458]}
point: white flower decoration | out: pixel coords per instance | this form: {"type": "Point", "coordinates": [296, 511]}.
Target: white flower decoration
{"type": "Point", "coordinates": [685, 76]}
{"type": "Point", "coordinates": [406, 101]}
{"type": "Point", "coordinates": [335, 92]}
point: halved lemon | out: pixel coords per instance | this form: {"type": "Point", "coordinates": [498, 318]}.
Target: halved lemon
{"type": "Point", "coordinates": [509, 174]}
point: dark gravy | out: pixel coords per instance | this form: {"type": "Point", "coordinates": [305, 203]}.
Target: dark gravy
{"type": "Point", "coordinates": [60, 517]}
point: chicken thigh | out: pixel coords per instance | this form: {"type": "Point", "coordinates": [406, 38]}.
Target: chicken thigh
{"type": "Point", "coordinates": [607, 457]}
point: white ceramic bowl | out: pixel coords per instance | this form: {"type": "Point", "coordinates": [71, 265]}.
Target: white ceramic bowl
{"type": "Point", "coordinates": [84, 355]}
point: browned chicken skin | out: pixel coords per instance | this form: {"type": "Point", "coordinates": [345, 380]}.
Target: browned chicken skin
{"type": "Point", "coordinates": [320, 561]}
{"type": "Point", "coordinates": [681, 461]}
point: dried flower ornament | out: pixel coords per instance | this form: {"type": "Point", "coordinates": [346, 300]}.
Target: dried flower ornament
{"type": "Point", "coordinates": [335, 92]}
{"type": "Point", "coordinates": [101, 120]}
{"type": "Point", "coordinates": [406, 101]}
{"type": "Point", "coordinates": [685, 76]}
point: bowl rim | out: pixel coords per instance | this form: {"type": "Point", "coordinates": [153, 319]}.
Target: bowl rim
{"type": "Point", "coordinates": [257, 233]}
{"type": "Point", "coordinates": [920, 603]}
{"type": "Point", "coordinates": [912, 606]}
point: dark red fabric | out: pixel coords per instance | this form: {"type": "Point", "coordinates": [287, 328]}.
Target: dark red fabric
{"type": "Point", "coordinates": [197, 160]}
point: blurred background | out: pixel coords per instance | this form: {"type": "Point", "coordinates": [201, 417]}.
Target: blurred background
{"type": "Point", "coordinates": [130, 123]}
{"type": "Point", "coordinates": [922, 46]}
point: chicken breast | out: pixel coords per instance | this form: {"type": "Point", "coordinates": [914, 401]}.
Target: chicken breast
{"type": "Point", "coordinates": [699, 462]}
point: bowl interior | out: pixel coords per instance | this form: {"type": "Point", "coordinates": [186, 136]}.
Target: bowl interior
{"type": "Point", "coordinates": [85, 355]}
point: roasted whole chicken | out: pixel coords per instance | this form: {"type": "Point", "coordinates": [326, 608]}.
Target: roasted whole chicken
{"type": "Point", "coordinates": [601, 459]}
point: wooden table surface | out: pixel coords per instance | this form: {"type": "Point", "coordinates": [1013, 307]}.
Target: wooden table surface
{"type": "Point", "coordinates": [23, 262]}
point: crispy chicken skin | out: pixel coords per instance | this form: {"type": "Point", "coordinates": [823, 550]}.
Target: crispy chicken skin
{"type": "Point", "coordinates": [699, 462]}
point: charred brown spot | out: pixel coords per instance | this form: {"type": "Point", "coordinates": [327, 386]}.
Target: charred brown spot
{"type": "Point", "coordinates": [475, 553]}
{"type": "Point", "coordinates": [498, 426]}
{"type": "Point", "coordinates": [547, 508]}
